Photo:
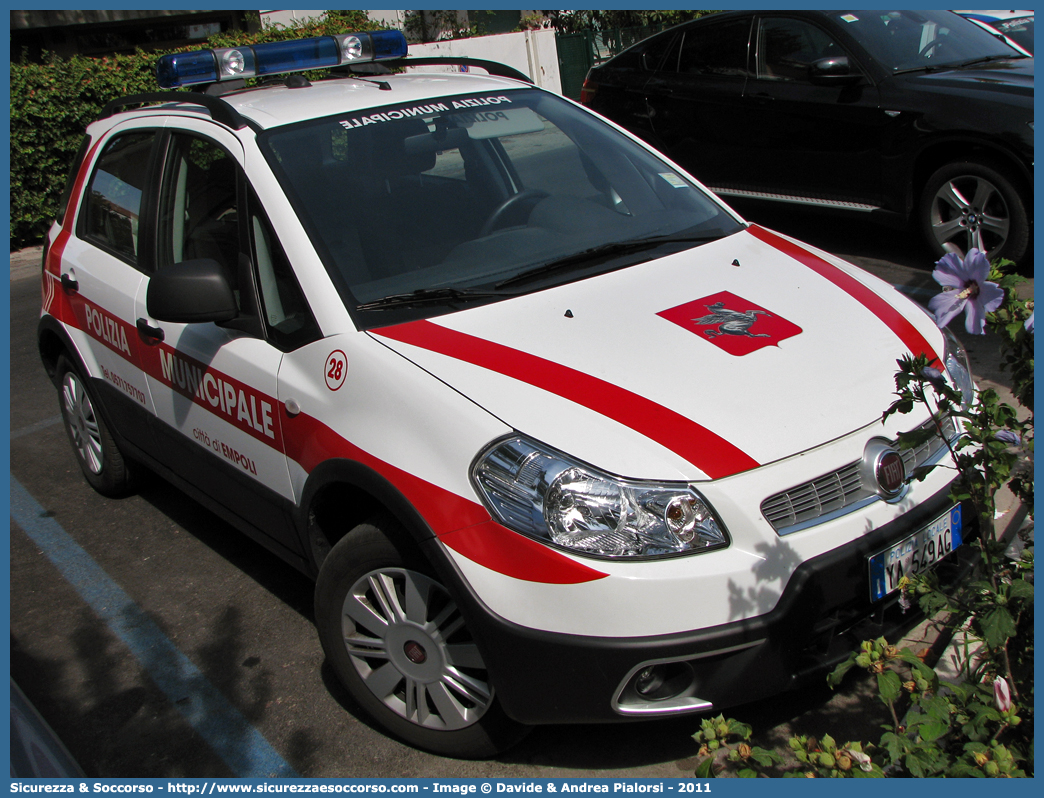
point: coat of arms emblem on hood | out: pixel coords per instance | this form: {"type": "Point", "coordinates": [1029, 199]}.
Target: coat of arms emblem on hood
{"type": "Point", "coordinates": [732, 323]}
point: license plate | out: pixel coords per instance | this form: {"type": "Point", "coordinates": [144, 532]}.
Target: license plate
{"type": "Point", "coordinates": [915, 554]}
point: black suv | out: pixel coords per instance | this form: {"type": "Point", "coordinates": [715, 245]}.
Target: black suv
{"type": "Point", "coordinates": [915, 116]}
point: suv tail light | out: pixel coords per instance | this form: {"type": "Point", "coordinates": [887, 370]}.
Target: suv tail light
{"type": "Point", "coordinates": [587, 93]}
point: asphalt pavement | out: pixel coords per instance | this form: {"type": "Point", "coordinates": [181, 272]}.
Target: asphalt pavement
{"type": "Point", "coordinates": [159, 642]}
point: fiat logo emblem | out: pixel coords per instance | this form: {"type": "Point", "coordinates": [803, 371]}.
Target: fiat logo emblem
{"type": "Point", "coordinates": [891, 473]}
{"type": "Point", "coordinates": [883, 471]}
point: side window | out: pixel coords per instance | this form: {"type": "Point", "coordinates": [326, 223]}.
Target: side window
{"type": "Point", "coordinates": [203, 214]}
{"type": "Point", "coordinates": [198, 213]}
{"type": "Point", "coordinates": [654, 58]}
{"type": "Point", "coordinates": [288, 320]}
{"type": "Point", "coordinates": [114, 195]}
{"type": "Point", "coordinates": [74, 170]}
{"type": "Point", "coordinates": [788, 47]}
{"type": "Point", "coordinates": [716, 49]}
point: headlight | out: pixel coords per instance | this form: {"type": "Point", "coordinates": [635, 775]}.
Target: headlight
{"type": "Point", "coordinates": [955, 359]}
{"type": "Point", "coordinates": [544, 494]}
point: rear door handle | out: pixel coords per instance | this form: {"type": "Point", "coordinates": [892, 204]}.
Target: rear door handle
{"type": "Point", "coordinates": [152, 335]}
{"type": "Point", "coordinates": [69, 284]}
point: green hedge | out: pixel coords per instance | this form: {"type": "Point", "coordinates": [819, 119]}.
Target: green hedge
{"type": "Point", "coordinates": [52, 103]}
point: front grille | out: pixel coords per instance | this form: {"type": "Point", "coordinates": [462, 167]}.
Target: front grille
{"type": "Point", "coordinates": [843, 490]}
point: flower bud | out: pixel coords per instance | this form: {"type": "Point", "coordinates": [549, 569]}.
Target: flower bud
{"type": "Point", "coordinates": [862, 759]}
{"type": "Point", "coordinates": [1001, 694]}
{"type": "Point", "coordinates": [744, 750]}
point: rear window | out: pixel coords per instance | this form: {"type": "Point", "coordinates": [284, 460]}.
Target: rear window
{"type": "Point", "coordinates": [74, 170]}
{"type": "Point", "coordinates": [114, 195]}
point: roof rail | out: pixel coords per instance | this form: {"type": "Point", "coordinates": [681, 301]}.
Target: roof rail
{"type": "Point", "coordinates": [492, 67]}
{"type": "Point", "coordinates": [220, 111]}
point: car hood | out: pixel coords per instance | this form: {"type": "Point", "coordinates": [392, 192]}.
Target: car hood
{"type": "Point", "coordinates": [698, 365]}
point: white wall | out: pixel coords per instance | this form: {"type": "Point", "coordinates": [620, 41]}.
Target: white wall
{"type": "Point", "coordinates": [393, 19]}
{"type": "Point", "coordinates": [533, 52]}
{"type": "Point", "coordinates": [286, 17]}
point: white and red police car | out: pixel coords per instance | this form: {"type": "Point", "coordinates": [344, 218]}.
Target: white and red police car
{"type": "Point", "coordinates": [560, 436]}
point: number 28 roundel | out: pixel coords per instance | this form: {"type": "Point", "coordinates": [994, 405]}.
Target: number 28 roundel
{"type": "Point", "coordinates": [336, 369]}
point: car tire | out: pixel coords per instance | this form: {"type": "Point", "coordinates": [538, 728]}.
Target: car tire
{"type": "Point", "coordinates": [103, 464]}
{"type": "Point", "coordinates": [960, 198]}
{"type": "Point", "coordinates": [397, 641]}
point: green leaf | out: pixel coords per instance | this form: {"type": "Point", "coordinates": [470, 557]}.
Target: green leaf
{"type": "Point", "coordinates": [838, 674]}
{"type": "Point", "coordinates": [703, 770]}
{"type": "Point", "coordinates": [889, 686]}
{"type": "Point", "coordinates": [932, 730]}
{"type": "Point", "coordinates": [764, 757]}
{"type": "Point", "coordinates": [997, 626]}
{"type": "Point", "coordinates": [1021, 589]}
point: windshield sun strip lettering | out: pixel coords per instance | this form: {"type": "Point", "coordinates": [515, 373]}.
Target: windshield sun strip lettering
{"type": "Point", "coordinates": [430, 109]}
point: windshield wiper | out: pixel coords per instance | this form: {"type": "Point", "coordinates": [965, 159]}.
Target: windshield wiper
{"type": "Point", "coordinates": [929, 68]}
{"type": "Point", "coordinates": [429, 296]}
{"type": "Point", "coordinates": [601, 251]}
{"type": "Point", "coordinates": [987, 59]}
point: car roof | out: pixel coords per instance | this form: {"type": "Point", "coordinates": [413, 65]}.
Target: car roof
{"type": "Point", "coordinates": [277, 104]}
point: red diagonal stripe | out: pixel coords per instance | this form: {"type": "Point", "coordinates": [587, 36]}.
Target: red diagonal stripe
{"type": "Point", "coordinates": [712, 454]}
{"type": "Point", "coordinates": [906, 332]}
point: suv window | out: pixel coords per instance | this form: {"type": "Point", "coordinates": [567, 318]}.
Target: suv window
{"type": "Point", "coordinates": [288, 320]}
{"type": "Point", "coordinates": [716, 49]}
{"type": "Point", "coordinates": [201, 215]}
{"type": "Point", "coordinates": [114, 196]}
{"type": "Point", "coordinates": [70, 180]}
{"type": "Point", "coordinates": [788, 47]}
{"type": "Point", "coordinates": [198, 214]}
{"type": "Point", "coordinates": [654, 56]}
{"type": "Point", "coordinates": [912, 40]}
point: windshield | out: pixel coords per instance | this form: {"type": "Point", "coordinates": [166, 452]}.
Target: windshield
{"type": "Point", "coordinates": [909, 40]}
{"type": "Point", "coordinates": [471, 198]}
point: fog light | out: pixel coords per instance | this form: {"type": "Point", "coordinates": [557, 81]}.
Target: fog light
{"type": "Point", "coordinates": [649, 680]}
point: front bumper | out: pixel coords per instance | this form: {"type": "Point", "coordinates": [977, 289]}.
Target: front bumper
{"type": "Point", "coordinates": [822, 615]}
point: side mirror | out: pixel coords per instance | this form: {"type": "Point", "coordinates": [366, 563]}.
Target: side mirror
{"type": "Point", "coordinates": [836, 71]}
{"type": "Point", "coordinates": [190, 292]}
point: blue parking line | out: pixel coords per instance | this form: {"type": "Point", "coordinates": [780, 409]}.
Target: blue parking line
{"type": "Point", "coordinates": [246, 752]}
{"type": "Point", "coordinates": [37, 427]}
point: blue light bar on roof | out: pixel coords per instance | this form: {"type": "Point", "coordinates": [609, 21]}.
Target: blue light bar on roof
{"type": "Point", "coordinates": [276, 58]}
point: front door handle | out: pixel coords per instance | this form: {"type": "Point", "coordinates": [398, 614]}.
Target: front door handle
{"type": "Point", "coordinates": [151, 335]}
{"type": "Point", "coordinates": [69, 284]}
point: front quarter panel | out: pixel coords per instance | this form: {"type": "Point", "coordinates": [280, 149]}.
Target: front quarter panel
{"type": "Point", "coordinates": [357, 400]}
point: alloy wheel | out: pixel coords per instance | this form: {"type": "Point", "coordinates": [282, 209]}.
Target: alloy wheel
{"type": "Point", "coordinates": [407, 640]}
{"type": "Point", "coordinates": [969, 211]}
{"type": "Point", "coordinates": [83, 423]}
